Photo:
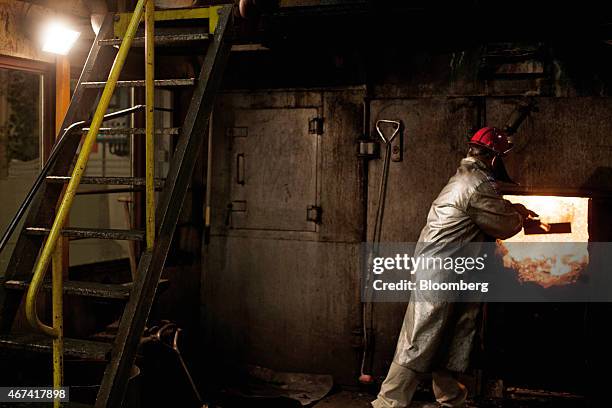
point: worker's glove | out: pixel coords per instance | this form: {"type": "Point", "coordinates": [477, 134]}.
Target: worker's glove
{"type": "Point", "coordinates": [526, 213]}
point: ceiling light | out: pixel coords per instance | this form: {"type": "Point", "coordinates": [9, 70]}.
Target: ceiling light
{"type": "Point", "coordinates": [58, 38]}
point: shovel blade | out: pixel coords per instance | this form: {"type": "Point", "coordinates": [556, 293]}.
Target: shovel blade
{"type": "Point", "coordinates": [555, 228]}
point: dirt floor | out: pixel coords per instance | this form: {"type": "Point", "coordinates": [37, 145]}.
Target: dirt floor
{"type": "Point", "coordinates": [345, 399]}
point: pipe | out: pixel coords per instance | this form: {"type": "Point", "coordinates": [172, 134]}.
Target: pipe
{"type": "Point", "coordinates": [150, 122]}
{"type": "Point", "coordinates": [209, 169]}
{"type": "Point", "coordinates": [518, 116]}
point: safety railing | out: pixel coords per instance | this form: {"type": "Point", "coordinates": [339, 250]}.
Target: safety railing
{"type": "Point", "coordinates": [52, 247]}
{"type": "Point", "coordinates": [57, 278]}
{"type": "Point", "coordinates": [69, 132]}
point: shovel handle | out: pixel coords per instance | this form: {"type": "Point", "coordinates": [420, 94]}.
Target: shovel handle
{"type": "Point", "coordinates": [396, 127]}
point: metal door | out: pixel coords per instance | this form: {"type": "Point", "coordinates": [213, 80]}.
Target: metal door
{"type": "Point", "coordinates": [274, 169]}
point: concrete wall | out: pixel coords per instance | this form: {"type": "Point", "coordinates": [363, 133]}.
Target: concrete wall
{"type": "Point", "coordinates": [18, 37]}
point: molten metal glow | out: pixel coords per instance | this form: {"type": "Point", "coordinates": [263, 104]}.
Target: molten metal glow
{"type": "Point", "coordinates": [550, 265]}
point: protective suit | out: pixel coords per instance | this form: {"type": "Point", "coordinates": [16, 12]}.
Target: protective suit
{"type": "Point", "coordinates": [437, 336]}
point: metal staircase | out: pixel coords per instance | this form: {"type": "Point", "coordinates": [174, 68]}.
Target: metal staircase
{"type": "Point", "coordinates": [50, 199]}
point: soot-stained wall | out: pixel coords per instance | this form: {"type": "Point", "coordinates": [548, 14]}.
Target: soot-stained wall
{"type": "Point", "coordinates": [278, 290]}
{"type": "Point", "coordinates": [284, 292]}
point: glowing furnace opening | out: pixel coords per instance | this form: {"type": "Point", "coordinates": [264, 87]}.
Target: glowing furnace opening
{"type": "Point", "coordinates": [564, 225]}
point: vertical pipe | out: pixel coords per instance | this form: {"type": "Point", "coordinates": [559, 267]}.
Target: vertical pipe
{"type": "Point", "coordinates": [209, 169]}
{"type": "Point", "coordinates": [62, 91]}
{"type": "Point", "coordinates": [58, 318]}
{"type": "Point", "coordinates": [60, 256]}
{"type": "Point", "coordinates": [62, 102]}
{"type": "Point", "coordinates": [150, 117]}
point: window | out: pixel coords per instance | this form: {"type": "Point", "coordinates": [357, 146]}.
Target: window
{"type": "Point", "coordinates": [25, 131]}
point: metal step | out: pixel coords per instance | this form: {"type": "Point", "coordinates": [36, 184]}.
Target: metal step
{"type": "Point", "coordinates": [161, 40]}
{"type": "Point", "coordinates": [98, 233]}
{"type": "Point", "coordinates": [109, 181]}
{"type": "Point", "coordinates": [85, 349]}
{"type": "Point", "coordinates": [134, 131]}
{"type": "Point", "coordinates": [141, 82]}
{"type": "Point", "coordinates": [88, 289]}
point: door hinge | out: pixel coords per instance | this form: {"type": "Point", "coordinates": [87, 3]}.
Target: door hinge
{"type": "Point", "coordinates": [237, 131]}
{"type": "Point", "coordinates": [315, 126]}
{"type": "Point", "coordinates": [314, 213]}
{"type": "Point", "coordinates": [235, 206]}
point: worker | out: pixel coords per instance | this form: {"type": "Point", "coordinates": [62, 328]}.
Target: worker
{"type": "Point", "coordinates": [437, 335]}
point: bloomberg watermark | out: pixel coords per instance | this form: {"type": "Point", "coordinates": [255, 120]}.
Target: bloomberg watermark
{"type": "Point", "coordinates": [487, 272]}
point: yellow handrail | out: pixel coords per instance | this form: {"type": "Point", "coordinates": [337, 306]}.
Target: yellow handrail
{"type": "Point", "coordinates": [58, 318]}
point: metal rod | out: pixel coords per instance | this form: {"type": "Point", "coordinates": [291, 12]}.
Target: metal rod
{"type": "Point", "coordinates": [150, 121]}
{"type": "Point", "coordinates": [79, 168]}
{"type": "Point", "coordinates": [127, 200]}
{"type": "Point", "coordinates": [368, 306]}
{"type": "Point", "coordinates": [184, 366]}
{"type": "Point", "coordinates": [57, 289]}
{"type": "Point", "coordinates": [209, 169]}
{"type": "Point", "coordinates": [113, 190]}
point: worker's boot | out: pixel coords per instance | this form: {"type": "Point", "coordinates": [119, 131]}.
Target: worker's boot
{"type": "Point", "coordinates": [397, 389]}
{"type": "Point", "coordinates": [448, 391]}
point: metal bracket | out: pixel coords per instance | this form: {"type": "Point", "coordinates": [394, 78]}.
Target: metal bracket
{"type": "Point", "coordinates": [211, 13]}
{"type": "Point", "coordinates": [237, 131]}
{"type": "Point", "coordinates": [314, 214]}
{"type": "Point", "coordinates": [238, 206]}
{"type": "Point", "coordinates": [315, 126]}
{"type": "Point", "coordinates": [235, 206]}
{"type": "Point", "coordinates": [397, 148]}
{"type": "Point", "coordinates": [368, 149]}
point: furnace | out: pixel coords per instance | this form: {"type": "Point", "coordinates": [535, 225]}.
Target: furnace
{"type": "Point", "coordinates": [552, 250]}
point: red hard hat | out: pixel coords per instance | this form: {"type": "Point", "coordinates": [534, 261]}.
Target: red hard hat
{"type": "Point", "coordinates": [493, 139]}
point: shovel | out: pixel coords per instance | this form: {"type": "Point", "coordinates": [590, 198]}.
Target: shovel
{"type": "Point", "coordinates": [533, 226]}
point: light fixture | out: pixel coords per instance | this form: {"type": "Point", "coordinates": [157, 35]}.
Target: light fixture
{"type": "Point", "coordinates": [58, 38]}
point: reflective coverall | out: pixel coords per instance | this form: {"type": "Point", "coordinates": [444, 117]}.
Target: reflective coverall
{"type": "Point", "coordinates": [436, 336]}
